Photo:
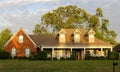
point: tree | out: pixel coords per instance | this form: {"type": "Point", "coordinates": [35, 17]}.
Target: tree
{"type": "Point", "coordinates": [113, 55]}
{"type": "Point", "coordinates": [39, 29]}
{"type": "Point", "coordinates": [74, 17]}
{"type": "Point", "coordinates": [5, 35]}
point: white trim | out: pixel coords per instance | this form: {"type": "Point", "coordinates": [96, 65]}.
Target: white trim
{"type": "Point", "coordinates": [77, 46]}
{"type": "Point", "coordinates": [29, 37]}
{"type": "Point", "coordinates": [16, 34]}
{"type": "Point", "coordinates": [77, 30]}
{"type": "Point", "coordinates": [62, 30]}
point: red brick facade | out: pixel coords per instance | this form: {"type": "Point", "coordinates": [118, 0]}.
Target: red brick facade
{"type": "Point", "coordinates": [20, 47]}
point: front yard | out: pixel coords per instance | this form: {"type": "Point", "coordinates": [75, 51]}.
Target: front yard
{"type": "Point", "coordinates": [57, 66]}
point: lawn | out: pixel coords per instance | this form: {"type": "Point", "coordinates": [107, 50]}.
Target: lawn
{"type": "Point", "coordinates": [57, 66]}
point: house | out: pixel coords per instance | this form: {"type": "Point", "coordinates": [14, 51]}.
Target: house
{"type": "Point", "coordinates": [60, 45]}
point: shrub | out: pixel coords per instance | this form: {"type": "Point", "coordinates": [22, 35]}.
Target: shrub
{"type": "Point", "coordinates": [62, 58]}
{"type": "Point", "coordinates": [4, 55]}
{"type": "Point", "coordinates": [49, 58]}
{"type": "Point", "coordinates": [67, 58]}
{"type": "Point", "coordinates": [55, 58]}
{"type": "Point", "coordinates": [113, 55]}
{"type": "Point", "coordinates": [73, 56]}
{"type": "Point", "coordinates": [87, 56]}
{"type": "Point", "coordinates": [102, 58]}
{"type": "Point", "coordinates": [41, 55]}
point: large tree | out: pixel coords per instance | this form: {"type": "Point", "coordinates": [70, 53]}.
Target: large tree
{"type": "Point", "coordinates": [5, 35]}
{"type": "Point", "coordinates": [75, 17]}
{"type": "Point", "coordinates": [39, 29]}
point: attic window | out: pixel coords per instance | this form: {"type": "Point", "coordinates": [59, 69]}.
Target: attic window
{"type": "Point", "coordinates": [76, 38]}
{"type": "Point", "coordinates": [91, 36]}
{"type": "Point", "coordinates": [21, 39]}
{"type": "Point", "coordinates": [62, 38]}
{"type": "Point", "coordinates": [91, 39]}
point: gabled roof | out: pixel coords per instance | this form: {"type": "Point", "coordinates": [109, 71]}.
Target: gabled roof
{"type": "Point", "coordinates": [52, 39]}
{"type": "Point", "coordinates": [20, 30]}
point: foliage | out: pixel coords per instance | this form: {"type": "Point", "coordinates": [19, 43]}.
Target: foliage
{"type": "Point", "coordinates": [113, 55]}
{"type": "Point", "coordinates": [55, 58]}
{"type": "Point", "coordinates": [73, 55]}
{"type": "Point", "coordinates": [39, 29]}
{"type": "Point", "coordinates": [68, 58]}
{"type": "Point", "coordinates": [5, 35]}
{"type": "Point", "coordinates": [42, 55]}
{"type": "Point", "coordinates": [74, 17]}
{"type": "Point", "coordinates": [62, 58]}
{"type": "Point", "coordinates": [49, 58]}
{"type": "Point", "coordinates": [4, 55]}
{"type": "Point", "coordinates": [87, 55]}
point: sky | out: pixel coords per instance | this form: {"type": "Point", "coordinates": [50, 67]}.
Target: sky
{"type": "Point", "coordinates": [15, 14]}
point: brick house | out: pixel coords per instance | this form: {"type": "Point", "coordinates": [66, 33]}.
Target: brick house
{"type": "Point", "coordinates": [60, 45]}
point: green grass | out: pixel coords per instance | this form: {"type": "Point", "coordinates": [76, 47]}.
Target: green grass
{"type": "Point", "coordinates": [57, 66]}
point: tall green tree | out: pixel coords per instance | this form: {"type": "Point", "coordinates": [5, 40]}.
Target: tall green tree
{"type": "Point", "coordinates": [39, 29]}
{"type": "Point", "coordinates": [5, 35]}
{"type": "Point", "coordinates": [74, 17]}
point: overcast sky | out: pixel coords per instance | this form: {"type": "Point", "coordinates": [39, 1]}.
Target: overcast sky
{"type": "Point", "coordinates": [26, 13]}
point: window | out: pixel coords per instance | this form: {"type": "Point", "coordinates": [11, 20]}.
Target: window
{"type": "Point", "coordinates": [91, 38]}
{"type": "Point", "coordinates": [62, 38]}
{"type": "Point", "coordinates": [13, 52]}
{"type": "Point", "coordinates": [76, 38]}
{"type": "Point", "coordinates": [20, 39]}
{"type": "Point", "coordinates": [27, 52]}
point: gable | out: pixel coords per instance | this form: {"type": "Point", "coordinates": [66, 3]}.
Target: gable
{"type": "Point", "coordinates": [16, 36]}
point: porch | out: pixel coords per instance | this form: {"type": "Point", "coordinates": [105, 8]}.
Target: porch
{"type": "Point", "coordinates": [80, 52]}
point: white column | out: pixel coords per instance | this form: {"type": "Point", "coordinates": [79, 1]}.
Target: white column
{"type": "Point", "coordinates": [84, 52]}
{"type": "Point", "coordinates": [41, 49]}
{"type": "Point", "coordinates": [71, 51]}
{"type": "Point", "coordinates": [52, 53]}
{"type": "Point", "coordinates": [102, 53]}
{"type": "Point", "coordinates": [111, 49]}
{"type": "Point", "coordinates": [106, 52]}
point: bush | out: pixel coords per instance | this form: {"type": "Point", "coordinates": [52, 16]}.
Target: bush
{"type": "Point", "coordinates": [67, 58]}
{"type": "Point", "coordinates": [113, 55]}
{"type": "Point", "coordinates": [4, 55]}
{"type": "Point", "coordinates": [73, 56]}
{"type": "Point", "coordinates": [62, 58]}
{"type": "Point", "coordinates": [55, 58]}
{"type": "Point", "coordinates": [102, 58]}
{"type": "Point", "coordinates": [41, 55]}
{"type": "Point", "coordinates": [87, 56]}
{"type": "Point", "coordinates": [49, 58]}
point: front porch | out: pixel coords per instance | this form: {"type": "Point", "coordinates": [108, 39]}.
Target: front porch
{"type": "Point", "coordinates": [80, 52]}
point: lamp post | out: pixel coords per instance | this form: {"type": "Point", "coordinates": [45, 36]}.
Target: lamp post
{"type": "Point", "coordinates": [114, 64]}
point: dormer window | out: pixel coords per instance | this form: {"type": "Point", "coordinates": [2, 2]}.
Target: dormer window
{"type": "Point", "coordinates": [62, 36]}
{"type": "Point", "coordinates": [20, 39]}
{"type": "Point", "coordinates": [77, 36]}
{"type": "Point", "coordinates": [91, 36]}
